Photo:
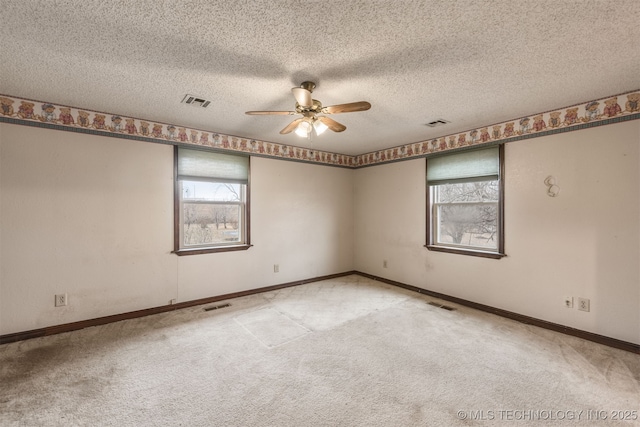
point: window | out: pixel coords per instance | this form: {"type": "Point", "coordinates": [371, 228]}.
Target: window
{"type": "Point", "coordinates": [211, 202]}
{"type": "Point", "coordinates": [465, 203]}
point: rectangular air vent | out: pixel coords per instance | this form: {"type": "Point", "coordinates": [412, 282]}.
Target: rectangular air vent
{"type": "Point", "coordinates": [438, 122]}
{"type": "Point", "coordinates": [217, 307]}
{"type": "Point", "coordinates": [446, 307]}
{"type": "Point", "coordinates": [195, 101]}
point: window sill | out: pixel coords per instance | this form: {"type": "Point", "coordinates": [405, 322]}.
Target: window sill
{"type": "Point", "coordinates": [470, 252]}
{"type": "Point", "coordinates": [199, 251]}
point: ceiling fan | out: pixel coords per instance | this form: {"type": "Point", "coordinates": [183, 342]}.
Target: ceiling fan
{"type": "Point", "coordinates": [311, 122]}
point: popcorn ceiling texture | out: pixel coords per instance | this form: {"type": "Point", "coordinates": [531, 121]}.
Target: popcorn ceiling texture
{"type": "Point", "coordinates": [474, 63]}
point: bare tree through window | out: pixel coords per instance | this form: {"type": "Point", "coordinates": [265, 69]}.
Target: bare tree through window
{"type": "Point", "coordinates": [212, 212]}
{"type": "Point", "coordinates": [467, 213]}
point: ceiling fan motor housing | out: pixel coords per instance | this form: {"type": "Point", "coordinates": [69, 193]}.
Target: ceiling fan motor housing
{"type": "Point", "coordinates": [315, 108]}
{"type": "Point", "coordinates": [310, 86]}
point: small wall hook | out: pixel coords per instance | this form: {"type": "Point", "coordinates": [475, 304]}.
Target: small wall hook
{"type": "Point", "coordinates": [552, 189]}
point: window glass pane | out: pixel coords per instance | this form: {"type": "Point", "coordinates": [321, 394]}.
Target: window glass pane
{"type": "Point", "coordinates": [471, 225]}
{"type": "Point", "coordinates": [211, 191]}
{"type": "Point", "coordinates": [467, 214]}
{"type": "Point", "coordinates": [207, 224]}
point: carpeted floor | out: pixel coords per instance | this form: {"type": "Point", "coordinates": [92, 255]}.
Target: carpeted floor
{"type": "Point", "coordinates": [343, 352]}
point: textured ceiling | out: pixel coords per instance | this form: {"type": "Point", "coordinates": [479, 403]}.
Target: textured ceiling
{"type": "Point", "coordinates": [470, 62]}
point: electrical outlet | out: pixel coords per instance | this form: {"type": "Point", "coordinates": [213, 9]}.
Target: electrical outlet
{"type": "Point", "coordinates": [61, 300]}
{"type": "Point", "coordinates": [276, 268]}
{"type": "Point", "coordinates": [384, 264]}
{"type": "Point", "coordinates": [568, 302]}
{"type": "Point", "coordinates": [584, 304]}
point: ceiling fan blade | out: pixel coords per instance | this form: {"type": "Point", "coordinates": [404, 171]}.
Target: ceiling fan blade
{"type": "Point", "coordinates": [291, 126]}
{"type": "Point", "coordinates": [347, 108]}
{"type": "Point", "coordinates": [303, 96]}
{"type": "Point", "coordinates": [332, 124]}
{"type": "Point", "coordinates": [261, 113]}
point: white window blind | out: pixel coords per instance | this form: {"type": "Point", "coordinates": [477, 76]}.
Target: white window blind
{"type": "Point", "coordinates": [466, 166]}
{"type": "Point", "coordinates": [198, 165]}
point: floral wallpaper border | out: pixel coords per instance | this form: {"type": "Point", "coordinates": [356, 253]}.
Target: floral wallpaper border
{"type": "Point", "coordinates": [46, 114]}
{"type": "Point", "coordinates": [598, 112]}
{"type": "Point", "coordinates": [593, 113]}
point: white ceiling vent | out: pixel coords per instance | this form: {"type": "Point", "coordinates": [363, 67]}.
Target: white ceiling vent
{"type": "Point", "coordinates": [438, 122]}
{"type": "Point", "coordinates": [195, 101]}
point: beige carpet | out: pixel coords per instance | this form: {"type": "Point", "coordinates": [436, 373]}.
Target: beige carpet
{"type": "Point", "coordinates": [344, 352]}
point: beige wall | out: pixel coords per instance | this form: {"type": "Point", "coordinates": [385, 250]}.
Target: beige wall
{"type": "Point", "coordinates": [92, 217]}
{"type": "Point", "coordinates": [583, 243]}
{"type": "Point", "coordinates": [301, 219]}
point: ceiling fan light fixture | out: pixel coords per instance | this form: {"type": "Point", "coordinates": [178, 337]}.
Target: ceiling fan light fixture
{"type": "Point", "coordinates": [310, 124]}
{"type": "Point", "coordinates": [303, 129]}
{"type": "Point", "coordinates": [319, 127]}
